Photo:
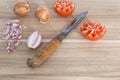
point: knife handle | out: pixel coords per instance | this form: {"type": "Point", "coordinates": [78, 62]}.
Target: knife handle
{"type": "Point", "coordinates": [44, 53]}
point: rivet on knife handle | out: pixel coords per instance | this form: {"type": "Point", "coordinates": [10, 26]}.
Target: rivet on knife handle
{"type": "Point", "coordinates": [49, 49]}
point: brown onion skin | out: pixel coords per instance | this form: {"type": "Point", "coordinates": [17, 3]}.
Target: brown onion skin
{"type": "Point", "coordinates": [43, 14]}
{"type": "Point", "coordinates": [22, 8]}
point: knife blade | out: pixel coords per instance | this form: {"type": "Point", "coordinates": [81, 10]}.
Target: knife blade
{"type": "Point", "coordinates": [50, 48]}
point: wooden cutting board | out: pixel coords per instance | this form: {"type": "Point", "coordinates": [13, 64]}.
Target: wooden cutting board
{"type": "Point", "coordinates": [76, 58]}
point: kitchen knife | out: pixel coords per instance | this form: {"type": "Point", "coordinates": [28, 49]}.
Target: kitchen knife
{"type": "Point", "coordinates": [49, 49]}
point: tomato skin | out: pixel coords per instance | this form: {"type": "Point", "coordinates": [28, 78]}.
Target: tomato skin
{"type": "Point", "coordinates": [93, 31]}
{"type": "Point", "coordinates": [64, 7]}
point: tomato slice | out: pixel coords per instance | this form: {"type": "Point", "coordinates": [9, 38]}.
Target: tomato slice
{"type": "Point", "coordinates": [93, 31]}
{"type": "Point", "coordinates": [64, 7]}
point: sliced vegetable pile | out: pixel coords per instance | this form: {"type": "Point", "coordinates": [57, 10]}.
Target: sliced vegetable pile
{"type": "Point", "coordinates": [93, 31]}
{"type": "Point", "coordinates": [64, 7]}
{"type": "Point", "coordinates": [13, 33]}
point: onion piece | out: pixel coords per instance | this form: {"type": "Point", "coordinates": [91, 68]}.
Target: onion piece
{"type": "Point", "coordinates": [13, 31]}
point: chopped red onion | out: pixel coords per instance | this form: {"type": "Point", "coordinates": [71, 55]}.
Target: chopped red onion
{"type": "Point", "coordinates": [13, 31]}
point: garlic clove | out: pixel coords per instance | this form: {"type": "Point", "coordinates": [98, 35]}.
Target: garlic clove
{"type": "Point", "coordinates": [22, 8]}
{"type": "Point", "coordinates": [43, 14]}
{"type": "Point", "coordinates": [34, 40]}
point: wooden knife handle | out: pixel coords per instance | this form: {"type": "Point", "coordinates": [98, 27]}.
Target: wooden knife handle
{"type": "Point", "coordinates": [44, 54]}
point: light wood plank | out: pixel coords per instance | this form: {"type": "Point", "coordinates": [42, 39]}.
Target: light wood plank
{"type": "Point", "coordinates": [76, 58]}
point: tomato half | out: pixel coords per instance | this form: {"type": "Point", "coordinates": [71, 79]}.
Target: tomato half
{"type": "Point", "coordinates": [64, 7]}
{"type": "Point", "coordinates": [93, 31]}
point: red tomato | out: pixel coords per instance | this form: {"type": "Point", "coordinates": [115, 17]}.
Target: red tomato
{"type": "Point", "coordinates": [64, 7]}
{"type": "Point", "coordinates": [92, 31]}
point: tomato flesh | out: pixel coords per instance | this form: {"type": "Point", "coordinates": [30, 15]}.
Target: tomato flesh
{"type": "Point", "coordinates": [93, 31]}
{"type": "Point", "coordinates": [64, 7]}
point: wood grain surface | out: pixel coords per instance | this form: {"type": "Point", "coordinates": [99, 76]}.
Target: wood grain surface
{"type": "Point", "coordinates": [76, 58]}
